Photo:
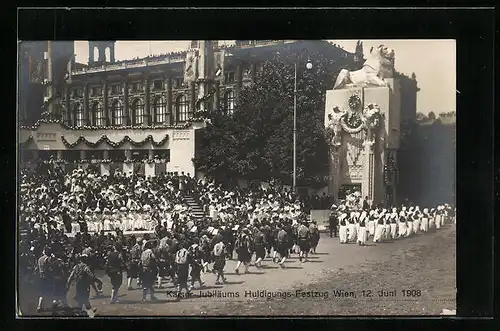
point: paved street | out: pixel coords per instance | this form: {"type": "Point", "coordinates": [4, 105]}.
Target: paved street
{"type": "Point", "coordinates": [423, 264]}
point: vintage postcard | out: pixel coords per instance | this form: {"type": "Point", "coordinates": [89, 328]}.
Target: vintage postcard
{"type": "Point", "coordinates": [237, 177]}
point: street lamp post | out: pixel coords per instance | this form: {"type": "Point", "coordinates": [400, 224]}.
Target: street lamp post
{"type": "Point", "coordinates": [308, 67]}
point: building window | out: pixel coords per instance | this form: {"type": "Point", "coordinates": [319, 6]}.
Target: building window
{"type": "Point", "coordinates": [117, 113]}
{"type": "Point", "coordinates": [158, 84]}
{"type": "Point", "coordinates": [160, 111]}
{"type": "Point", "coordinates": [138, 112]}
{"type": "Point", "coordinates": [229, 77]}
{"type": "Point", "coordinates": [135, 87]}
{"type": "Point", "coordinates": [229, 102]}
{"type": "Point", "coordinates": [182, 108]}
{"type": "Point", "coordinates": [76, 93]}
{"type": "Point", "coordinates": [96, 91]}
{"type": "Point", "coordinates": [79, 120]}
{"type": "Point", "coordinates": [98, 112]}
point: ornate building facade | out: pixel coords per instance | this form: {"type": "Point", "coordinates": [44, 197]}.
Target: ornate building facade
{"type": "Point", "coordinates": [150, 107]}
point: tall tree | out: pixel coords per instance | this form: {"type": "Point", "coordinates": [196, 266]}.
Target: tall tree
{"type": "Point", "coordinates": [257, 141]}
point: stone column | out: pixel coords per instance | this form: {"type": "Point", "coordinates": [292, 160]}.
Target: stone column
{"type": "Point", "coordinates": [126, 111]}
{"type": "Point", "coordinates": [128, 154]}
{"type": "Point", "coordinates": [82, 154]}
{"type": "Point", "coordinates": [105, 108]}
{"type": "Point", "coordinates": [105, 154]}
{"type": "Point", "coordinates": [86, 113]}
{"type": "Point", "coordinates": [368, 186]}
{"type": "Point", "coordinates": [192, 97]}
{"type": "Point", "coordinates": [67, 96]}
{"type": "Point", "coordinates": [150, 154]}
{"type": "Point", "coordinates": [147, 110]}
{"type": "Point", "coordinates": [169, 101]}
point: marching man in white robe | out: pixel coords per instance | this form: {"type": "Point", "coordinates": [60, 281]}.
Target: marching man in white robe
{"type": "Point", "coordinates": [362, 228]}
{"type": "Point", "coordinates": [432, 215]}
{"type": "Point", "coordinates": [343, 228]}
{"type": "Point", "coordinates": [438, 217]}
{"type": "Point", "coordinates": [424, 225]}
{"type": "Point", "coordinates": [417, 215]}
{"type": "Point", "coordinates": [387, 225]}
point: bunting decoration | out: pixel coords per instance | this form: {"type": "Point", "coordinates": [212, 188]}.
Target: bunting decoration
{"type": "Point", "coordinates": [113, 144]}
{"type": "Point", "coordinates": [205, 98]}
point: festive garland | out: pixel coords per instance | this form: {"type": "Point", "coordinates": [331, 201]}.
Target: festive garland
{"type": "Point", "coordinates": [34, 127]}
{"type": "Point", "coordinates": [354, 102]}
{"type": "Point", "coordinates": [105, 139]}
{"type": "Point", "coordinates": [348, 125]}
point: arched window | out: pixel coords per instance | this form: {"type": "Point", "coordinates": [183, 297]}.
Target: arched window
{"type": "Point", "coordinates": [117, 113]}
{"type": "Point", "coordinates": [229, 102]}
{"type": "Point", "coordinates": [138, 112]}
{"type": "Point", "coordinates": [98, 113]}
{"type": "Point", "coordinates": [96, 53]}
{"type": "Point", "coordinates": [160, 111]}
{"type": "Point", "coordinates": [78, 111]}
{"type": "Point", "coordinates": [182, 109]}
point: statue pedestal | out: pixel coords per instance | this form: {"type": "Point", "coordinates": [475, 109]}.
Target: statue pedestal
{"type": "Point", "coordinates": [372, 153]}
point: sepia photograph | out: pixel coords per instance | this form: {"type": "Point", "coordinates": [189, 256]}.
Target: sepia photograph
{"type": "Point", "coordinates": [236, 177]}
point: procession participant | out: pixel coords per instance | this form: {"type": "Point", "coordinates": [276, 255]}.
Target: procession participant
{"type": "Point", "coordinates": [259, 247]}
{"type": "Point", "coordinates": [114, 269]}
{"type": "Point", "coordinates": [432, 215]}
{"type": "Point", "coordinates": [268, 237]}
{"type": "Point", "coordinates": [394, 223]}
{"type": "Point", "coordinates": [314, 236]}
{"type": "Point", "coordinates": [343, 228]}
{"type": "Point", "coordinates": [362, 228]}
{"type": "Point", "coordinates": [303, 241]}
{"type": "Point", "coordinates": [387, 225]}
{"type": "Point", "coordinates": [206, 252]}
{"type": "Point", "coordinates": [282, 245]}
{"type": "Point", "coordinates": [438, 217]}
{"type": "Point", "coordinates": [402, 223]}
{"type": "Point", "coordinates": [45, 278]}
{"type": "Point", "coordinates": [379, 228]}
{"type": "Point", "coordinates": [149, 268]}
{"type": "Point", "coordinates": [220, 262]}
{"type": "Point", "coordinates": [352, 227]}
{"type": "Point", "coordinates": [371, 222]}
{"type": "Point", "coordinates": [243, 249]}
{"type": "Point", "coordinates": [83, 277]}
{"type": "Point", "coordinates": [424, 225]}
{"type": "Point", "coordinates": [183, 260]}
{"type": "Point", "coordinates": [333, 221]}
{"type": "Point", "coordinates": [60, 273]}
{"type": "Point", "coordinates": [93, 264]}
{"type": "Point", "coordinates": [409, 222]}
{"type": "Point", "coordinates": [195, 253]}
{"type": "Point", "coordinates": [134, 262]}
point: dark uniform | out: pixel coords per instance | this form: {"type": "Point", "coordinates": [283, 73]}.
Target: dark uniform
{"type": "Point", "coordinates": [114, 270]}
{"type": "Point", "coordinates": [333, 220]}
{"type": "Point", "coordinates": [83, 277]}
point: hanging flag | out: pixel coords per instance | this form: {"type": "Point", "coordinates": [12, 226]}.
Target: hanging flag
{"type": "Point", "coordinates": [219, 65]}
{"type": "Point", "coordinates": [191, 66]}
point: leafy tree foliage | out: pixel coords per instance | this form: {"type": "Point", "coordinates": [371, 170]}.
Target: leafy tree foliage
{"type": "Point", "coordinates": [257, 141]}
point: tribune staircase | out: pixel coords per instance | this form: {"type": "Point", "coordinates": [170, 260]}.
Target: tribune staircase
{"type": "Point", "coordinates": [196, 209]}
